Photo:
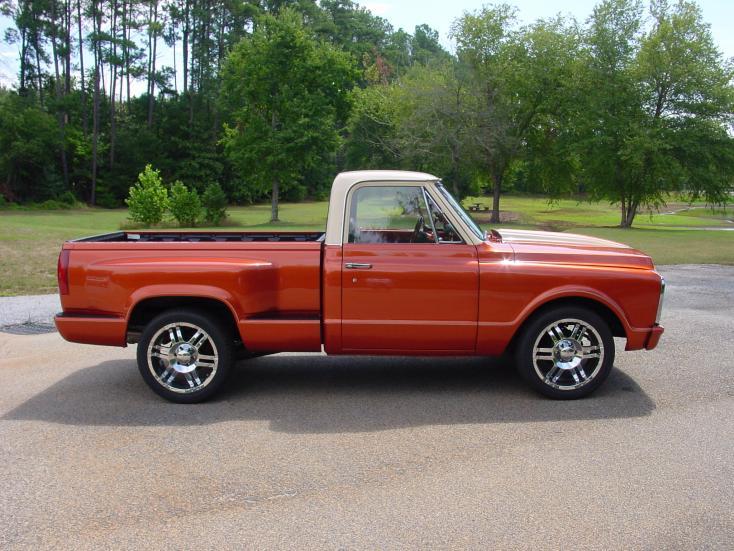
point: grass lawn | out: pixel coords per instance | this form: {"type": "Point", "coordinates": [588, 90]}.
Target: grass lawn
{"type": "Point", "coordinates": [30, 240]}
{"type": "Point", "coordinates": [566, 213]}
{"type": "Point", "coordinates": [673, 246]}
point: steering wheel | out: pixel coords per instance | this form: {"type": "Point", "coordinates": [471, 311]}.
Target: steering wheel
{"type": "Point", "coordinates": [418, 231]}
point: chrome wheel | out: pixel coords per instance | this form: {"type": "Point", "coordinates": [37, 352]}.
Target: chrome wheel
{"type": "Point", "coordinates": [568, 354]}
{"type": "Point", "coordinates": [182, 357]}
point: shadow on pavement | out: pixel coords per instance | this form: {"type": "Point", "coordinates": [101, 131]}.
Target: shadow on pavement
{"type": "Point", "coordinates": [320, 394]}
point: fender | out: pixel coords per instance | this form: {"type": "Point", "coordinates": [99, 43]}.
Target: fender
{"type": "Point", "coordinates": [574, 291]}
{"type": "Point", "coordinates": [493, 337]}
{"type": "Point", "coordinates": [191, 291]}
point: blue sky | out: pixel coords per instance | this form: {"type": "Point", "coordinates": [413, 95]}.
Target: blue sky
{"type": "Point", "coordinates": [439, 14]}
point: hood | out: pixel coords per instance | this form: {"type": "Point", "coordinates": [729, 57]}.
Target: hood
{"type": "Point", "coordinates": [556, 247]}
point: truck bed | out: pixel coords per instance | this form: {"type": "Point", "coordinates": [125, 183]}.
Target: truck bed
{"type": "Point", "coordinates": [203, 236]}
{"type": "Point", "coordinates": [269, 282]}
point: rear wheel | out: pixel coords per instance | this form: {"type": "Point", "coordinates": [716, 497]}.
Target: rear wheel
{"type": "Point", "coordinates": [185, 356]}
{"type": "Point", "coordinates": [566, 353]}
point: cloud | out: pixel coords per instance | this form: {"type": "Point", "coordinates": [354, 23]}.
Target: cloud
{"type": "Point", "coordinates": [378, 8]}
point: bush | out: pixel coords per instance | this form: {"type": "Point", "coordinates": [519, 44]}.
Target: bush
{"type": "Point", "coordinates": [105, 198]}
{"type": "Point", "coordinates": [67, 198]}
{"type": "Point", "coordinates": [185, 205]}
{"type": "Point", "coordinates": [52, 204]}
{"type": "Point", "coordinates": [215, 204]}
{"type": "Point", "coordinates": [148, 199]}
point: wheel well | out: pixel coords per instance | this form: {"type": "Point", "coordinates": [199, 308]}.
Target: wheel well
{"type": "Point", "coordinates": [147, 309]}
{"type": "Point", "coordinates": [600, 309]}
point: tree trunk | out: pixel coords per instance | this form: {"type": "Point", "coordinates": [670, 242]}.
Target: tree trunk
{"type": "Point", "coordinates": [85, 117]}
{"type": "Point", "coordinates": [496, 190]}
{"type": "Point", "coordinates": [274, 202]}
{"type": "Point", "coordinates": [151, 76]}
{"type": "Point", "coordinates": [113, 83]}
{"type": "Point", "coordinates": [67, 54]}
{"type": "Point", "coordinates": [128, 30]}
{"type": "Point", "coordinates": [186, 49]}
{"type": "Point", "coordinates": [191, 33]}
{"type": "Point", "coordinates": [37, 47]}
{"type": "Point", "coordinates": [7, 189]}
{"type": "Point", "coordinates": [95, 107]}
{"type": "Point", "coordinates": [61, 116]}
{"type": "Point", "coordinates": [629, 213]}
{"type": "Point", "coordinates": [23, 60]}
{"type": "Point", "coordinates": [175, 64]}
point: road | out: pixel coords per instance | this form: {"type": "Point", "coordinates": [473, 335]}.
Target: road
{"type": "Point", "coordinates": [388, 453]}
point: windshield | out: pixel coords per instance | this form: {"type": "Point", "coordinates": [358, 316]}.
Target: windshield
{"type": "Point", "coordinates": [476, 230]}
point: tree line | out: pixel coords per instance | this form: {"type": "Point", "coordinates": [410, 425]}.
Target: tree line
{"type": "Point", "coordinates": [269, 99]}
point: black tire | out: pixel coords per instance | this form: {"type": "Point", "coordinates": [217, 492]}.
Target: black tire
{"type": "Point", "coordinates": [558, 365]}
{"type": "Point", "coordinates": [163, 362]}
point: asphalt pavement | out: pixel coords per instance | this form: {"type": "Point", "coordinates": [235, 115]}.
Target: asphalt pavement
{"type": "Point", "coordinates": [308, 451]}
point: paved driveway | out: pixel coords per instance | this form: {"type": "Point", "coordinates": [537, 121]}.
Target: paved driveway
{"type": "Point", "coordinates": [317, 452]}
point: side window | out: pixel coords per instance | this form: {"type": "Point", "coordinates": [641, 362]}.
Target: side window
{"type": "Point", "coordinates": [443, 228]}
{"type": "Point", "coordinates": [389, 214]}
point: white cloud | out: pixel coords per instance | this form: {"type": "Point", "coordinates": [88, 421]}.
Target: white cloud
{"type": "Point", "coordinates": [378, 8]}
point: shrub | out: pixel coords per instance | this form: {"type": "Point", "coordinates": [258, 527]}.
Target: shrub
{"type": "Point", "coordinates": [148, 198]}
{"type": "Point", "coordinates": [52, 204]}
{"type": "Point", "coordinates": [215, 204]}
{"type": "Point", "coordinates": [185, 205]}
{"type": "Point", "coordinates": [3, 202]}
{"type": "Point", "coordinates": [67, 198]}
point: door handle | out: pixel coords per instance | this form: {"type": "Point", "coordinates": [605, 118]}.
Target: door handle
{"type": "Point", "coordinates": [357, 266]}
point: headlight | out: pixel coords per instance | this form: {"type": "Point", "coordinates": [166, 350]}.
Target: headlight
{"type": "Point", "coordinates": [660, 302]}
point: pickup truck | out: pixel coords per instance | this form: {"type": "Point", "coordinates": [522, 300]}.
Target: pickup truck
{"type": "Point", "coordinates": [401, 269]}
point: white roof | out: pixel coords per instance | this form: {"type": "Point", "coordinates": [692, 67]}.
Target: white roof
{"type": "Point", "coordinates": [348, 179]}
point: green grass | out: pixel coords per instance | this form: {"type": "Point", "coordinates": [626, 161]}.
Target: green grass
{"type": "Point", "coordinates": [566, 213]}
{"type": "Point", "coordinates": [673, 246]}
{"type": "Point", "coordinates": [30, 240]}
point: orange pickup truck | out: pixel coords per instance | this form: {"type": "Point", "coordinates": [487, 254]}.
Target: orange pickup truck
{"type": "Point", "coordinates": [402, 269]}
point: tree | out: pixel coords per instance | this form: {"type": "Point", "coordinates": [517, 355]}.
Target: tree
{"type": "Point", "coordinates": [148, 199]}
{"type": "Point", "coordinates": [658, 105]}
{"type": "Point", "coordinates": [28, 139]}
{"type": "Point", "coordinates": [519, 76]}
{"type": "Point", "coordinates": [185, 205]}
{"type": "Point", "coordinates": [286, 92]}
{"type": "Point", "coordinates": [420, 122]}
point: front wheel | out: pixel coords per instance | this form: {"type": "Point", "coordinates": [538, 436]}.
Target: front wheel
{"type": "Point", "coordinates": [566, 353]}
{"type": "Point", "coordinates": [185, 356]}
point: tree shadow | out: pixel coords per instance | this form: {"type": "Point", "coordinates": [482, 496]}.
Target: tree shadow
{"type": "Point", "coordinates": [324, 394]}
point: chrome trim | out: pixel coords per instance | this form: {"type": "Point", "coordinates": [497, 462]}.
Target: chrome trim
{"type": "Point", "coordinates": [572, 356]}
{"type": "Point", "coordinates": [357, 266]}
{"type": "Point", "coordinates": [430, 214]}
{"type": "Point", "coordinates": [177, 362]}
{"type": "Point", "coordinates": [660, 301]}
{"type": "Point", "coordinates": [456, 221]}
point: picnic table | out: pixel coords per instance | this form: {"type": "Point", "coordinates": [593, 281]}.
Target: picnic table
{"type": "Point", "coordinates": [477, 207]}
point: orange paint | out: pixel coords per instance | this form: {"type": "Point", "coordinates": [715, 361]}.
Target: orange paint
{"type": "Point", "coordinates": [418, 298]}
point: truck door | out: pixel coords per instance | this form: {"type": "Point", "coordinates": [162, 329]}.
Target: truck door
{"type": "Point", "coordinates": [408, 282]}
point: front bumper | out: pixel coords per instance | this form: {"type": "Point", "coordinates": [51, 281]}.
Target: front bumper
{"type": "Point", "coordinates": [646, 338]}
{"type": "Point", "coordinates": [654, 337]}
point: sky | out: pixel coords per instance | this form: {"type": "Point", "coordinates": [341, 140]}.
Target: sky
{"type": "Point", "coordinates": [439, 14]}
